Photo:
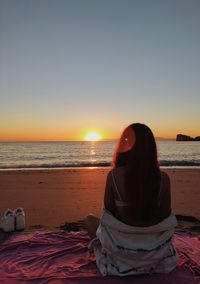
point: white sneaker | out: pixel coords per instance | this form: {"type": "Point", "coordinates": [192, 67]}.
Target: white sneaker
{"type": "Point", "coordinates": [7, 222]}
{"type": "Point", "coordinates": [19, 215]}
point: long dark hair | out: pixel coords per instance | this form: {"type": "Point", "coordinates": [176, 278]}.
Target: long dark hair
{"type": "Point", "coordinates": [142, 176]}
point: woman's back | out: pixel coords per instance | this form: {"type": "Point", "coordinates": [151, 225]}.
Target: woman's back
{"type": "Point", "coordinates": [136, 228]}
{"type": "Point", "coordinates": [116, 201]}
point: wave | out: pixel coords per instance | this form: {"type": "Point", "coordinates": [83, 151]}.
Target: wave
{"type": "Point", "coordinates": [163, 163]}
{"type": "Point", "coordinates": [66, 165]}
{"type": "Point", "coordinates": [178, 163]}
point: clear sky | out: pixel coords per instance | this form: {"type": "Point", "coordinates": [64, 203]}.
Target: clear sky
{"type": "Point", "coordinates": [69, 67]}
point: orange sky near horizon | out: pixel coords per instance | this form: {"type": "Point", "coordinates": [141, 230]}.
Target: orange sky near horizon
{"type": "Point", "coordinates": [61, 134]}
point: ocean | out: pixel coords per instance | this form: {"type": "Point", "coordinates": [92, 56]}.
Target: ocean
{"type": "Point", "coordinates": [33, 155]}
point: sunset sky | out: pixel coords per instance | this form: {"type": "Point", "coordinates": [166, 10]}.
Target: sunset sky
{"type": "Point", "coordinates": [69, 68]}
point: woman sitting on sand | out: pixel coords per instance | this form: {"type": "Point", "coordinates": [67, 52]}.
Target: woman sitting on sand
{"type": "Point", "coordinates": [134, 233]}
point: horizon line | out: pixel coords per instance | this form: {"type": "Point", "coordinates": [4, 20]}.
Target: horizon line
{"type": "Point", "coordinates": [102, 140]}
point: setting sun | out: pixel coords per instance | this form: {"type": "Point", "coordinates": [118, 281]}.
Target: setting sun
{"type": "Point", "coordinates": [93, 137]}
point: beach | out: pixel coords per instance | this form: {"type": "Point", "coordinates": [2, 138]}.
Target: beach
{"type": "Point", "coordinates": [51, 197]}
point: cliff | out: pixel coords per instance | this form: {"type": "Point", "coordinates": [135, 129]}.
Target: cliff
{"type": "Point", "coordinates": [182, 137]}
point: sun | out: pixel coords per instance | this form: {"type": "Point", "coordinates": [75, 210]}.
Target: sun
{"type": "Point", "coordinates": [93, 136]}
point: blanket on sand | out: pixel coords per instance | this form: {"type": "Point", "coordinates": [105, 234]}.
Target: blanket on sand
{"type": "Point", "coordinates": [63, 257]}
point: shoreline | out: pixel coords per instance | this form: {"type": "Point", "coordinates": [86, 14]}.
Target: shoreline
{"type": "Point", "coordinates": [52, 197]}
{"type": "Point", "coordinates": [89, 167]}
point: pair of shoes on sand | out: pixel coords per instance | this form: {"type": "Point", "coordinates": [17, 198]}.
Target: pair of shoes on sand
{"type": "Point", "coordinates": [13, 220]}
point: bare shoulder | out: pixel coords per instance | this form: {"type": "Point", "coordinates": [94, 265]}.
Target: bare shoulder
{"type": "Point", "coordinates": [165, 181]}
{"type": "Point", "coordinates": [109, 176]}
{"type": "Point", "coordinates": [165, 196]}
{"type": "Point", "coordinates": [165, 176]}
{"type": "Point", "coordinates": [119, 176]}
{"type": "Point", "coordinates": [119, 171]}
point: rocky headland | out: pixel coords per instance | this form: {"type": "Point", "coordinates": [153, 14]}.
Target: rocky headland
{"type": "Point", "coordinates": [182, 137]}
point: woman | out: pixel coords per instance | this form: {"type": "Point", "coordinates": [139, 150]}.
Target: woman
{"type": "Point", "coordinates": [134, 233]}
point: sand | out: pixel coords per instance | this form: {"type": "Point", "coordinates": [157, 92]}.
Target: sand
{"type": "Point", "coordinates": [52, 197]}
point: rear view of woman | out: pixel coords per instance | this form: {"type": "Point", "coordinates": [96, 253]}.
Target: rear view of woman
{"type": "Point", "coordinates": [134, 233]}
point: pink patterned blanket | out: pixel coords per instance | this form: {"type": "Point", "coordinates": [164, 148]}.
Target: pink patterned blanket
{"type": "Point", "coordinates": [62, 257]}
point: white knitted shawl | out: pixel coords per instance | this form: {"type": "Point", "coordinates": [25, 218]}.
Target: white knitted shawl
{"type": "Point", "coordinates": [122, 249]}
